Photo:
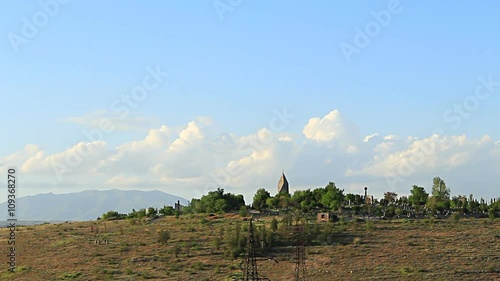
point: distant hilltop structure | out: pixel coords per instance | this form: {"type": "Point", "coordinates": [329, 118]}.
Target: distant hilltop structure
{"type": "Point", "coordinates": [283, 185]}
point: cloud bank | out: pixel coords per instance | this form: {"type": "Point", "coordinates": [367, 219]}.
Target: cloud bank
{"type": "Point", "coordinates": [194, 159]}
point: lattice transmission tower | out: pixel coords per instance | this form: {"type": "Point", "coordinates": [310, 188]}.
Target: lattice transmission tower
{"type": "Point", "coordinates": [300, 254]}
{"type": "Point", "coordinates": [250, 272]}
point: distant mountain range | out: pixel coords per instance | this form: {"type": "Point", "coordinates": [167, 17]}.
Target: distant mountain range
{"type": "Point", "coordinates": [86, 205]}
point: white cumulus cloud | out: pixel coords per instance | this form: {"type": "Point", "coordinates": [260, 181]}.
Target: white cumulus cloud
{"type": "Point", "coordinates": [192, 159]}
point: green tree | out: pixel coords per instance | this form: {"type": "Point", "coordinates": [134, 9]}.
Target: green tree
{"type": "Point", "coordinates": [435, 205]}
{"type": "Point", "coordinates": [283, 201]}
{"type": "Point", "coordinates": [236, 241]}
{"type": "Point", "coordinates": [494, 210]}
{"type": "Point", "coordinates": [317, 195]}
{"type": "Point", "coordinates": [303, 200]}
{"type": "Point", "coordinates": [260, 199]}
{"type": "Point", "coordinates": [141, 213]}
{"type": "Point", "coordinates": [274, 225]}
{"type": "Point", "coordinates": [132, 214]}
{"type": "Point", "coordinates": [439, 190]}
{"type": "Point", "coordinates": [167, 211]}
{"type": "Point", "coordinates": [441, 194]}
{"type": "Point", "coordinates": [216, 202]}
{"type": "Point", "coordinates": [432, 204]}
{"type": "Point", "coordinates": [472, 205]}
{"type": "Point", "coordinates": [244, 211]}
{"type": "Point", "coordinates": [152, 212]}
{"type": "Point", "coordinates": [332, 197]}
{"type": "Point", "coordinates": [273, 202]}
{"type": "Point", "coordinates": [350, 198]}
{"type": "Point", "coordinates": [113, 215]}
{"type": "Point", "coordinates": [459, 203]}
{"type": "Point", "coordinates": [220, 206]}
{"type": "Point", "coordinates": [483, 206]}
{"type": "Point", "coordinates": [390, 197]}
{"type": "Point", "coordinates": [418, 196]}
{"type": "Point", "coordinates": [443, 205]}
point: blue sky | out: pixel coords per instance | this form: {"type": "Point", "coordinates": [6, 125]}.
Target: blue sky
{"type": "Point", "coordinates": [236, 69]}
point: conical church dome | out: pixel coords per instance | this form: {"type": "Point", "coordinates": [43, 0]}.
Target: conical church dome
{"type": "Point", "coordinates": [283, 185]}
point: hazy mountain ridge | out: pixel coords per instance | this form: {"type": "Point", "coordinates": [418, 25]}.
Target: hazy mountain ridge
{"type": "Point", "coordinates": [87, 205]}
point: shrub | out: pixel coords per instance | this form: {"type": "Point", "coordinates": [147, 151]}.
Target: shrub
{"type": "Point", "coordinates": [233, 252]}
{"type": "Point", "coordinates": [167, 211]}
{"type": "Point", "coordinates": [216, 243]}
{"type": "Point", "coordinates": [369, 225]}
{"type": "Point", "coordinates": [71, 276]}
{"type": "Point", "coordinates": [163, 237]}
{"type": "Point", "coordinates": [198, 265]}
{"type": "Point", "coordinates": [152, 212]}
{"type": "Point", "coordinates": [113, 215]}
{"type": "Point", "coordinates": [244, 211]}
{"type": "Point", "coordinates": [137, 214]}
{"type": "Point", "coordinates": [455, 217]}
{"type": "Point", "coordinates": [221, 233]}
{"type": "Point", "coordinates": [356, 241]}
{"type": "Point", "coordinates": [274, 225]}
{"type": "Point", "coordinates": [491, 214]}
{"type": "Point", "coordinates": [177, 249]}
{"type": "Point", "coordinates": [188, 247]}
{"type": "Point", "coordinates": [124, 249]}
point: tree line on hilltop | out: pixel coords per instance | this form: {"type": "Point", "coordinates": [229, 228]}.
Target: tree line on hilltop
{"type": "Point", "coordinates": [420, 202]}
{"type": "Point", "coordinates": [332, 199]}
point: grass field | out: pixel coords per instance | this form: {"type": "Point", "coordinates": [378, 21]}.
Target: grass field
{"type": "Point", "coordinates": [380, 250]}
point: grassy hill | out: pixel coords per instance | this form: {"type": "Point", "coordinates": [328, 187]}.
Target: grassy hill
{"type": "Point", "coordinates": [379, 250]}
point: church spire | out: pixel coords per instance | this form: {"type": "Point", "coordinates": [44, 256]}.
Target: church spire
{"type": "Point", "coordinates": [283, 184]}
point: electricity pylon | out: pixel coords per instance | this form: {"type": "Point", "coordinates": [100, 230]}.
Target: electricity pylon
{"type": "Point", "coordinates": [300, 254]}
{"type": "Point", "coordinates": [250, 272]}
